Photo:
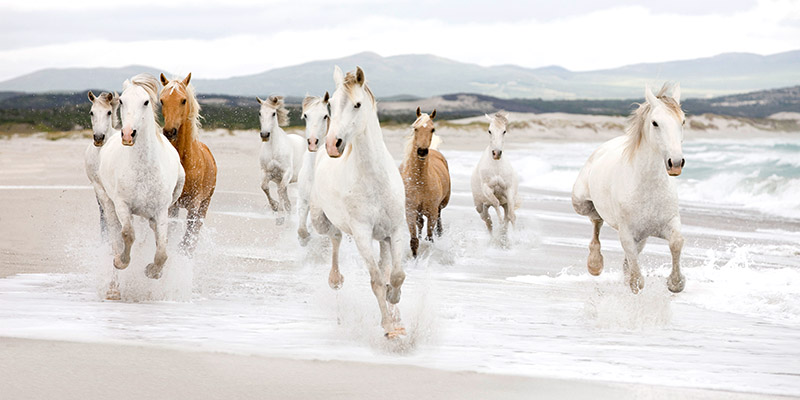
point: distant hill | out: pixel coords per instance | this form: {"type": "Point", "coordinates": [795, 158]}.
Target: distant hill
{"type": "Point", "coordinates": [423, 75]}
{"type": "Point", "coordinates": [53, 112]}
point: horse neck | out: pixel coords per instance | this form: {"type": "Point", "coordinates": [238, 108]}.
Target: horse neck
{"type": "Point", "coordinates": [147, 141]}
{"type": "Point", "coordinates": [648, 164]}
{"type": "Point", "coordinates": [278, 136]}
{"type": "Point", "coordinates": [369, 149]}
{"type": "Point", "coordinates": [186, 138]}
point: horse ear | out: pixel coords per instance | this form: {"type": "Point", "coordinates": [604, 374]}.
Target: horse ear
{"type": "Point", "coordinates": [164, 80]}
{"type": "Point", "coordinates": [489, 117]}
{"type": "Point", "coordinates": [326, 98]}
{"type": "Point", "coordinates": [126, 84]}
{"type": "Point", "coordinates": [649, 96]}
{"type": "Point", "coordinates": [91, 96]}
{"type": "Point", "coordinates": [109, 97]}
{"type": "Point", "coordinates": [433, 114]}
{"type": "Point", "coordinates": [115, 99]}
{"type": "Point", "coordinates": [360, 78]}
{"type": "Point", "coordinates": [338, 76]}
{"type": "Point", "coordinates": [187, 79]}
{"type": "Point", "coordinates": [259, 100]}
{"type": "Point", "coordinates": [676, 93]}
{"type": "Point", "coordinates": [419, 112]}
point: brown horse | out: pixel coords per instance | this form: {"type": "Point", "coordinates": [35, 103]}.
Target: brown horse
{"type": "Point", "coordinates": [181, 122]}
{"type": "Point", "coordinates": [426, 178]}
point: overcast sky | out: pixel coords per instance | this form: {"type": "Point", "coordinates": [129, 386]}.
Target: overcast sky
{"type": "Point", "coordinates": [236, 37]}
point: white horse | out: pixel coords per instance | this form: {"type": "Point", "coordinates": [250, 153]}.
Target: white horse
{"type": "Point", "coordinates": [626, 182]}
{"type": "Point", "coordinates": [494, 181]}
{"type": "Point", "coordinates": [141, 174]}
{"type": "Point", "coordinates": [281, 153]}
{"type": "Point", "coordinates": [358, 190]}
{"type": "Point", "coordinates": [315, 113]}
{"type": "Point", "coordinates": [105, 124]}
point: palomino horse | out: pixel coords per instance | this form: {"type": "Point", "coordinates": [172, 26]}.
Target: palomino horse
{"type": "Point", "coordinates": [494, 181]}
{"type": "Point", "coordinates": [104, 122]}
{"type": "Point", "coordinates": [140, 175]}
{"type": "Point", "coordinates": [181, 123]}
{"type": "Point", "coordinates": [315, 113]}
{"type": "Point", "coordinates": [358, 190]}
{"type": "Point", "coordinates": [626, 182]}
{"type": "Point", "coordinates": [426, 178]}
{"type": "Point", "coordinates": [281, 153]}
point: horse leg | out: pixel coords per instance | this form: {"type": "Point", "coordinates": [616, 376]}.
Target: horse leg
{"type": "Point", "coordinates": [439, 230]}
{"type": "Point", "coordinates": [483, 210]}
{"type": "Point", "coordinates": [412, 219]}
{"type": "Point", "coordinates": [595, 262]}
{"type": "Point", "coordinates": [396, 278]}
{"type": "Point", "coordinates": [632, 247]}
{"type": "Point", "coordinates": [335, 278]}
{"type": "Point", "coordinates": [160, 225]}
{"type": "Point", "coordinates": [362, 235]}
{"type": "Point", "coordinates": [194, 222]}
{"type": "Point", "coordinates": [302, 216]}
{"type": "Point", "coordinates": [123, 258]}
{"type": "Point", "coordinates": [283, 193]}
{"type": "Point", "coordinates": [433, 217]}
{"type": "Point", "coordinates": [103, 223]}
{"type": "Point", "coordinates": [676, 281]}
{"type": "Point", "coordinates": [265, 187]}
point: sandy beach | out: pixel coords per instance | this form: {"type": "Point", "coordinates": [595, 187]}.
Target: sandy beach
{"type": "Point", "coordinates": [253, 317]}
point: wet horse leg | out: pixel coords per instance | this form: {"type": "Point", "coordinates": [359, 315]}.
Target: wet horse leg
{"type": "Point", "coordinates": [412, 219]}
{"type": "Point", "coordinates": [595, 261]}
{"type": "Point", "coordinates": [122, 259]}
{"type": "Point", "coordinates": [483, 210]}
{"type": "Point", "coordinates": [196, 214]}
{"type": "Point", "coordinates": [676, 281]}
{"type": "Point", "coordinates": [160, 225]}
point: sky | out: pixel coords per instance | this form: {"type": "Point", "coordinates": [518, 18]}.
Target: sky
{"type": "Point", "coordinates": [224, 38]}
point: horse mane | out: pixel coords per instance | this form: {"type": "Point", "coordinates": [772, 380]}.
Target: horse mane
{"type": "Point", "coordinates": [276, 102]}
{"type": "Point", "coordinates": [150, 85]}
{"type": "Point", "coordinates": [350, 83]}
{"type": "Point", "coordinates": [409, 144]}
{"type": "Point", "coordinates": [501, 118]}
{"type": "Point", "coordinates": [191, 102]}
{"type": "Point", "coordinates": [310, 102]}
{"type": "Point", "coordinates": [636, 126]}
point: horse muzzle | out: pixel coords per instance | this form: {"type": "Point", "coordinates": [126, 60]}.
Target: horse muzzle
{"type": "Point", "coordinates": [99, 139]}
{"type": "Point", "coordinates": [128, 136]}
{"type": "Point", "coordinates": [422, 153]}
{"type": "Point", "coordinates": [335, 147]}
{"type": "Point", "coordinates": [171, 134]}
{"type": "Point", "coordinates": [675, 168]}
{"type": "Point", "coordinates": [265, 136]}
{"type": "Point", "coordinates": [496, 154]}
{"type": "Point", "coordinates": [313, 145]}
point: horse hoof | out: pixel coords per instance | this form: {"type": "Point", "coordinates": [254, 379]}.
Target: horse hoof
{"type": "Point", "coordinates": [637, 284]}
{"type": "Point", "coordinates": [395, 333]}
{"type": "Point", "coordinates": [152, 271]}
{"type": "Point", "coordinates": [118, 264]}
{"type": "Point", "coordinates": [595, 264]}
{"type": "Point", "coordinates": [335, 281]}
{"type": "Point", "coordinates": [113, 295]}
{"type": "Point", "coordinates": [676, 285]}
{"type": "Point", "coordinates": [392, 294]}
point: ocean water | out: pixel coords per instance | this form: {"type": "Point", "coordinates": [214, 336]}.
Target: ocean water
{"type": "Point", "coordinates": [473, 301]}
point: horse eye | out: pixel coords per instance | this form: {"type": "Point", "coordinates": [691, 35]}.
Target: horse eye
{"type": "Point", "coordinates": [358, 105]}
{"type": "Point", "coordinates": [275, 113]}
{"type": "Point", "coordinates": [504, 132]}
{"type": "Point", "coordinates": [146, 102]}
{"type": "Point", "coordinates": [161, 101]}
{"type": "Point", "coordinates": [684, 122]}
{"type": "Point", "coordinates": [109, 113]}
{"type": "Point", "coordinates": [120, 101]}
{"type": "Point", "coordinates": [183, 101]}
{"type": "Point", "coordinates": [325, 116]}
{"type": "Point", "coordinates": [655, 124]}
{"type": "Point", "coordinates": [433, 130]}
{"type": "Point", "coordinates": [490, 131]}
{"type": "Point", "coordinates": [91, 113]}
{"type": "Point", "coordinates": [305, 116]}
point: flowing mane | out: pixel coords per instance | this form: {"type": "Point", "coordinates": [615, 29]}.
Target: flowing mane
{"type": "Point", "coordinates": [276, 103]}
{"type": "Point", "coordinates": [191, 102]}
{"type": "Point", "coordinates": [409, 144]}
{"type": "Point", "coordinates": [150, 85]}
{"type": "Point", "coordinates": [636, 122]}
{"type": "Point", "coordinates": [500, 118]}
{"type": "Point", "coordinates": [350, 83]}
{"type": "Point", "coordinates": [310, 102]}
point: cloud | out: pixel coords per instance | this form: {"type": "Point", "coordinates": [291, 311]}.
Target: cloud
{"type": "Point", "coordinates": [602, 38]}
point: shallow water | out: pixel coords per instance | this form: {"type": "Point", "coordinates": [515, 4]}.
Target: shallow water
{"type": "Point", "coordinates": [470, 302]}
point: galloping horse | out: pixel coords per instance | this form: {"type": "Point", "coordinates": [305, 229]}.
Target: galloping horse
{"type": "Point", "coordinates": [358, 190]}
{"type": "Point", "coordinates": [426, 178]}
{"type": "Point", "coordinates": [104, 122]}
{"type": "Point", "coordinates": [281, 153]}
{"type": "Point", "coordinates": [181, 122]}
{"type": "Point", "coordinates": [626, 182]}
{"type": "Point", "coordinates": [315, 113]}
{"type": "Point", "coordinates": [494, 181]}
{"type": "Point", "coordinates": [140, 175]}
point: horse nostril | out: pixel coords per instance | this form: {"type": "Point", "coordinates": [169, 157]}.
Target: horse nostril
{"type": "Point", "coordinates": [683, 162]}
{"type": "Point", "coordinates": [133, 134]}
{"type": "Point", "coordinates": [338, 142]}
{"type": "Point", "coordinates": [316, 141]}
{"type": "Point", "coordinates": [174, 131]}
{"type": "Point", "coordinates": [309, 141]}
{"type": "Point", "coordinates": [669, 163]}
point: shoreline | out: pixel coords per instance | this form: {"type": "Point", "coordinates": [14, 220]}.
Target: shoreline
{"type": "Point", "coordinates": [84, 370]}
